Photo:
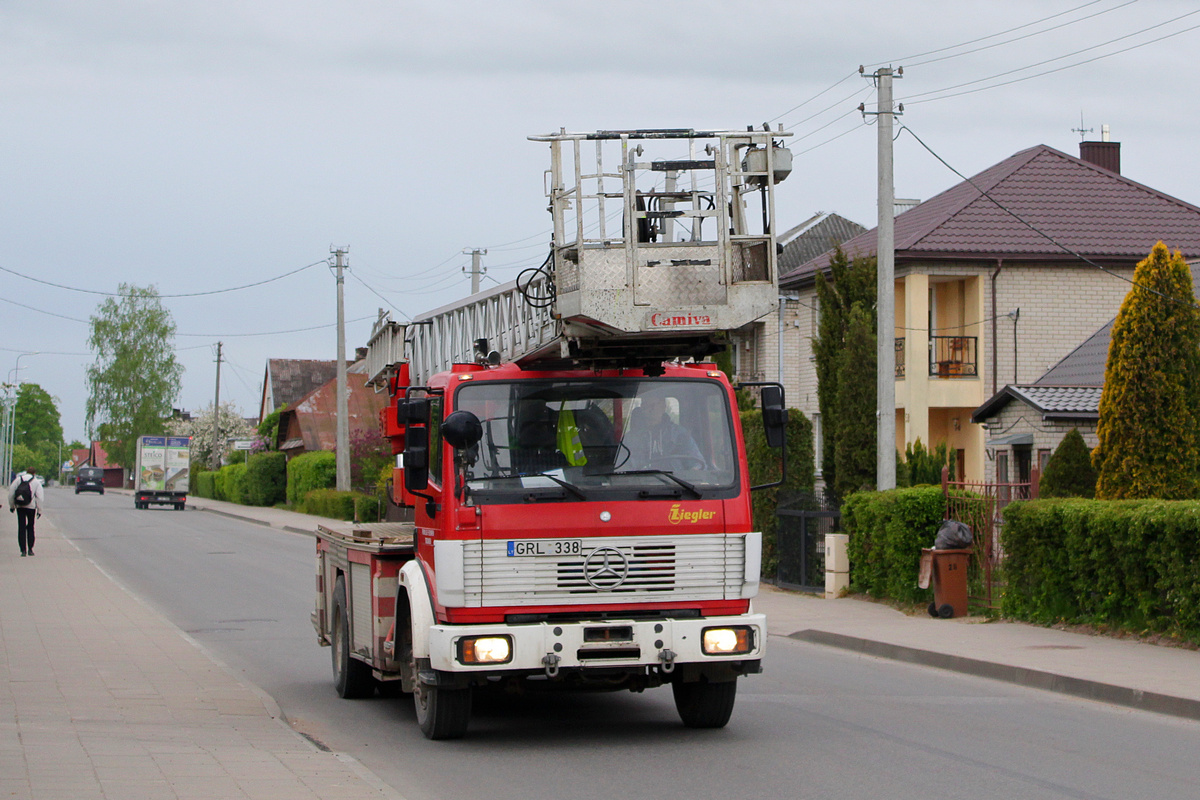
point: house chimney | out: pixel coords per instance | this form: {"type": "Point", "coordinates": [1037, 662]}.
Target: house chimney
{"type": "Point", "coordinates": [1104, 154]}
{"type": "Point", "coordinates": [360, 353]}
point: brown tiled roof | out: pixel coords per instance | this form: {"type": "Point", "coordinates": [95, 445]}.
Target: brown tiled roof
{"type": "Point", "coordinates": [1097, 213]}
{"type": "Point", "coordinates": [292, 378]}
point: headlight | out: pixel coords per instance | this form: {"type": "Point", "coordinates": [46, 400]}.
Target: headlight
{"type": "Point", "coordinates": [727, 641]}
{"type": "Point", "coordinates": [485, 649]}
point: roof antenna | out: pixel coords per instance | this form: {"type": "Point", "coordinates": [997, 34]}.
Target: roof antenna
{"type": "Point", "coordinates": [1082, 131]}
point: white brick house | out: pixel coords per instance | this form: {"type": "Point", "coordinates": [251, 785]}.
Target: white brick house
{"type": "Point", "coordinates": [982, 299]}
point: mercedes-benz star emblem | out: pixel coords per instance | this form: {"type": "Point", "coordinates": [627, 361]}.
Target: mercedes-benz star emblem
{"type": "Point", "coordinates": [606, 568]}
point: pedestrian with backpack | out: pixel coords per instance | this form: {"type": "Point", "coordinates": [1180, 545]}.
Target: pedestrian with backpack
{"type": "Point", "coordinates": [25, 497]}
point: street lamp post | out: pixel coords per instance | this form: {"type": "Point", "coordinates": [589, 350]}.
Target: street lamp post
{"type": "Point", "coordinates": [8, 426]}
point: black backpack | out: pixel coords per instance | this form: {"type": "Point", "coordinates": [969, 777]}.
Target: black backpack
{"type": "Point", "coordinates": [23, 494]}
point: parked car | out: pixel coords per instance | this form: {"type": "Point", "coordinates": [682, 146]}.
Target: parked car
{"type": "Point", "coordinates": [89, 479]}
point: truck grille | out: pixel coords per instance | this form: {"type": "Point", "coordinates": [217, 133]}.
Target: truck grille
{"type": "Point", "coordinates": [653, 569]}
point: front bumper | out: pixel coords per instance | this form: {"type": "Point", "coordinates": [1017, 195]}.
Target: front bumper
{"type": "Point", "coordinates": [607, 644]}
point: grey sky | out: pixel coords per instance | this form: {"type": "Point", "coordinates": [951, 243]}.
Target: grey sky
{"type": "Point", "coordinates": [201, 146]}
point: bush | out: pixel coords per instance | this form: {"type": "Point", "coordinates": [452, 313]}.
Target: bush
{"type": "Point", "coordinates": [887, 531]}
{"type": "Point", "coordinates": [231, 483]}
{"type": "Point", "coordinates": [1130, 564]}
{"type": "Point", "coordinates": [329, 503]}
{"type": "Point", "coordinates": [1069, 473]}
{"type": "Point", "coordinates": [369, 507]}
{"type": "Point", "coordinates": [308, 471]}
{"type": "Point", "coordinates": [266, 479]}
{"type": "Point", "coordinates": [764, 468]}
{"type": "Point", "coordinates": [204, 484]}
{"type": "Point", "coordinates": [924, 467]}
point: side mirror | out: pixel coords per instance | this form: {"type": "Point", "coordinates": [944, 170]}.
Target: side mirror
{"type": "Point", "coordinates": [462, 430]}
{"type": "Point", "coordinates": [412, 411]}
{"type": "Point", "coordinates": [416, 458]}
{"type": "Point", "coordinates": [774, 415]}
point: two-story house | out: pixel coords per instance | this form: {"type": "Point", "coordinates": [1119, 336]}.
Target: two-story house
{"type": "Point", "coordinates": [997, 279]}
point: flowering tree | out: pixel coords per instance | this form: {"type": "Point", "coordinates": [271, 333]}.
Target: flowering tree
{"type": "Point", "coordinates": [370, 451]}
{"type": "Point", "coordinates": [200, 428]}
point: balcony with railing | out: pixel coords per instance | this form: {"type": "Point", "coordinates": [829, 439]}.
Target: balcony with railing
{"type": "Point", "coordinates": [953, 357]}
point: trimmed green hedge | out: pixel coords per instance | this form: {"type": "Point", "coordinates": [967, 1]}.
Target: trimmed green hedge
{"type": "Point", "coordinates": [764, 468]}
{"type": "Point", "coordinates": [203, 484]}
{"type": "Point", "coordinates": [308, 471]}
{"type": "Point", "coordinates": [887, 531]}
{"type": "Point", "coordinates": [1129, 564]}
{"type": "Point", "coordinates": [342, 505]}
{"type": "Point", "coordinates": [266, 479]}
{"type": "Point", "coordinates": [231, 483]}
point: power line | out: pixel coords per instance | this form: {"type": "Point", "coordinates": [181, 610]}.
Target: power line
{"type": "Point", "coordinates": [1026, 36]}
{"type": "Point", "coordinates": [911, 101]}
{"type": "Point", "coordinates": [186, 294]}
{"type": "Point", "coordinates": [983, 38]}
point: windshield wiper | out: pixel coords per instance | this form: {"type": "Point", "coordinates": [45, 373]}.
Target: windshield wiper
{"type": "Point", "coordinates": [691, 487]}
{"type": "Point", "coordinates": [570, 487]}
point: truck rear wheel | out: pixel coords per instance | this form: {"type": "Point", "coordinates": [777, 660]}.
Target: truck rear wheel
{"type": "Point", "coordinates": [351, 677]}
{"type": "Point", "coordinates": [442, 713]}
{"type": "Point", "coordinates": [704, 705]}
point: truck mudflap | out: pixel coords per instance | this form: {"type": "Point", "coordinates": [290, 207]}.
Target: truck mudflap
{"type": "Point", "coordinates": [665, 644]}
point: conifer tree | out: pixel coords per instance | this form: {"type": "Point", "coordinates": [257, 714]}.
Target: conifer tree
{"type": "Point", "coordinates": [1150, 406]}
{"type": "Point", "coordinates": [855, 426]}
{"type": "Point", "coordinates": [850, 282]}
{"type": "Point", "coordinates": [1069, 472]}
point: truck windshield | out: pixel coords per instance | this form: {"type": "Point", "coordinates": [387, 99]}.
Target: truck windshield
{"type": "Point", "coordinates": [586, 439]}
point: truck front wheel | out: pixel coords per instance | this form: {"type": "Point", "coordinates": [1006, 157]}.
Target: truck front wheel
{"type": "Point", "coordinates": [442, 712]}
{"type": "Point", "coordinates": [351, 677]}
{"type": "Point", "coordinates": [704, 705]}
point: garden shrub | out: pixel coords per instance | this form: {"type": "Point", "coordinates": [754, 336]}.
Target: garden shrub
{"type": "Point", "coordinates": [1069, 473]}
{"type": "Point", "coordinates": [266, 479]}
{"type": "Point", "coordinates": [308, 471]}
{"type": "Point", "coordinates": [1129, 564]}
{"type": "Point", "coordinates": [203, 484]}
{"type": "Point", "coordinates": [887, 531]}
{"type": "Point", "coordinates": [329, 503]}
{"type": "Point", "coordinates": [231, 483]}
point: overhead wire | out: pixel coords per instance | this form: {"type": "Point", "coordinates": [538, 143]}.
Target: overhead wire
{"type": "Point", "coordinates": [184, 294]}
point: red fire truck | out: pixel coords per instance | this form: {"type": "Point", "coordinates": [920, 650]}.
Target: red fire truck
{"type": "Point", "coordinates": [574, 465]}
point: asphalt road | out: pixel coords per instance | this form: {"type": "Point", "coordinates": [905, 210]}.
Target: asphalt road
{"type": "Point", "coordinates": [818, 723]}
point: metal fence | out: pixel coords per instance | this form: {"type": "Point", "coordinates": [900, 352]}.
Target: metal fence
{"type": "Point", "coordinates": [980, 507]}
{"type": "Point", "coordinates": [800, 547]}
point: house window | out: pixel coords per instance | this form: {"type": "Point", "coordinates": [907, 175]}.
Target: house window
{"type": "Point", "coordinates": [1043, 459]}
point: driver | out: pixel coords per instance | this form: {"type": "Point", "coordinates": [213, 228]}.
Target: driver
{"type": "Point", "coordinates": [656, 441]}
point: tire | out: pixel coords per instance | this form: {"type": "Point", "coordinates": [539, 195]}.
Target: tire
{"type": "Point", "coordinates": [442, 713]}
{"type": "Point", "coordinates": [704, 705]}
{"type": "Point", "coordinates": [945, 611]}
{"type": "Point", "coordinates": [351, 677]}
{"type": "Point", "coordinates": [933, 610]}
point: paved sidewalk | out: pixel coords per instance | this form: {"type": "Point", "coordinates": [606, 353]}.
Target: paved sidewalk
{"type": "Point", "coordinates": [100, 697]}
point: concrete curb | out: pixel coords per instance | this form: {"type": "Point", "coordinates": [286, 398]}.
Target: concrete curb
{"type": "Point", "coordinates": [1021, 676]}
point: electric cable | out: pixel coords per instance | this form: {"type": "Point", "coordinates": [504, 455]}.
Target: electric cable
{"type": "Point", "coordinates": [185, 294]}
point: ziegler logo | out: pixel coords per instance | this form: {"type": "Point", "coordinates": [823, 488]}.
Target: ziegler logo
{"type": "Point", "coordinates": [678, 515]}
{"type": "Point", "coordinates": [678, 319]}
